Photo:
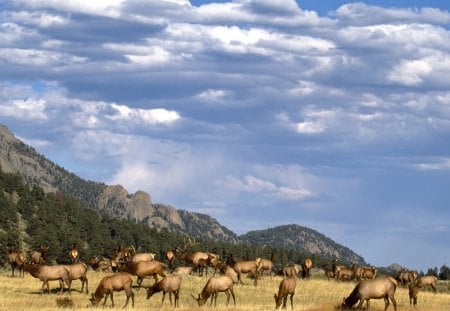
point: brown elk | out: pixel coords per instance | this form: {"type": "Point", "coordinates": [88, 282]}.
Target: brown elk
{"type": "Point", "coordinates": [368, 273]}
{"type": "Point", "coordinates": [50, 273]}
{"type": "Point", "coordinates": [112, 283]}
{"type": "Point", "coordinates": [39, 256]}
{"type": "Point", "coordinates": [73, 254]}
{"type": "Point", "coordinates": [169, 284]}
{"type": "Point", "coordinates": [306, 268]}
{"type": "Point", "coordinates": [184, 270]}
{"type": "Point", "coordinates": [16, 259]}
{"type": "Point", "coordinates": [143, 257]}
{"type": "Point", "coordinates": [193, 258]}
{"type": "Point", "coordinates": [413, 293]}
{"type": "Point", "coordinates": [215, 285]}
{"type": "Point", "coordinates": [101, 264]}
{"type": "Point", "coordinates": [144, 268]}
{"type": "Point", "coordinates": [246, 266]}
{"type": "Point", "coordinates": [78, 271]}
{"type": "Point", "coordinates": [265, 264]}
{"type": "Point", "coordinates": [405, 276]}
{"type": "Point", "coordinates": [120, 256]}
{"type": "Point", "coordinates": [286, 288]}
{"type": "Point", "coordinates": [291, 270]}
{"type": "Point", "coordinates": [170, 256]}
{"type": "Point", "coordinates": [372, 289]}
{"type": "Point", "coordinates": [344, 273]}
{"type": "Point", "coordinates": [426, 280]}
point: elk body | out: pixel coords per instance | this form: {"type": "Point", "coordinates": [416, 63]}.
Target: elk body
{"type": "Point", "coordinates": [16, 259]}
{"type": "Point", "coordinates": [39, 256]}
{"type": "Point", "coordinates": [213, 286]}
{"type": "Point", "coordinates": [50, 273]}
{"type": "Point", "coordinates": [78, 272]}
{"type": "Point", "coordinates": [372, 289]}
{"type": "Point", "coordinates": [113, 283]}
{"type": "Point", "coordinates": [405, 276]}
{"type": "Point", "coordinates": [199, 260]}
{"type": "Point", "coordinates": [169, 284]}
{"type": "Point", "coordinates": [145, 268]}
{"type": "Point", "coordinates": [368, 273]}
{"type": "Point", "coordinates": [426, 280]}
{"type": "Point", "coordinates": [291, 270]}
{"type": "Point", "coordinates": [413, 293]}
{"type": "Point", "coordinates": [170, 256]}
{"type": "Point", "coordinates": [143, 257]}
{"type": "Point", "coordinates": [265, 264]}
{"type": "Point", "coordinates": [73, 254]}
{"type": "Point", "coordinates": [344, 273]}
{"type": "Point", "coordinates": [184, 270]}
{"type": "Point", "coordinates": [101, 264]}
{"type": "Point", "coordinates": [286, 288]}
{"type": "Point", "coordinates": [306, 268]}
{"type": "Point", "coordinates": [246, 266]}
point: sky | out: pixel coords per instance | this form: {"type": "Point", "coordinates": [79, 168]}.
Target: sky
{"type": "Point", "coordinates": [328, 114]}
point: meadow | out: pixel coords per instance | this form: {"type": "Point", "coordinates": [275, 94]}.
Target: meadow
{"type": "Point", "coordinates": [314, 294]}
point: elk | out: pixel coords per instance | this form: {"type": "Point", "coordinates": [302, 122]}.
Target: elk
{"type": "Point", "coordinates": [213, 286]}
{"type": "Point", "coordinates": [184, 270]}
{"type": "Point", "coordinates": [426, 280]}
{"type": "Point", "coordinates": [265, 264]}
{"type": "Point", "coordinates": [306, 267]}
{"type": "Point", "coordinates": [170, 256]}
{"type": "Point", "coordinates": [413, 293]}
{"type": "Point", "coordinates": [73, 254]}
{"type": "Point", "coordinates": [405, 276]}
{"type": "Point", "coordinates": [121, 255]}
{"type": "Point", "coordinates": [356, 272]}
{"type": "Point", "coordinates": [98, 264]}
{"type": "Point", "coordinates": [368, 273]}
{"type": "Point", "coordinates": [291, 270]}
{"type": "Point", "coordinates": [144, 268]}
{"type": "Point", "coordinates": [246, 266]}
{"type": "Point", "coordinates": [343, 273]}
{"type": "Point", "coordinates": [169, 284]}
{"type": "Point", "coordinates": [78, 271]}
{"type": "Point", "coordinates": [372, 289]}
{"type": "Point", "coordinates": [143, 257]}
{"type": "Point", "coordinates": [39, 256]}
{"type": "Point", "coordinates": [113, 283]}
{"type": "Point", "coordinates": [16, 259]}
{"type": "Point", "coordinates": [286, 288]}
{"type": "Point", "coordinates": [50, 273]}
{"type": "Point", "coordinates": [193, 258]}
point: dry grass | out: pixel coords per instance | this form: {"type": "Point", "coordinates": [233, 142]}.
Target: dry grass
{"type": "Point", "coordinates": [315, 294]}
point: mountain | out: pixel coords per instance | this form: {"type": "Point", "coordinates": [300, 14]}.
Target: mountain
{"type": "Point", "coordinates": [301, 239]}
{"type": "Point", "coordinates": [115, 201]}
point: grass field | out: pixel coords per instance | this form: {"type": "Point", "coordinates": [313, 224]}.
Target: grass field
{"type": "Point", "coordinates": [314, 294]}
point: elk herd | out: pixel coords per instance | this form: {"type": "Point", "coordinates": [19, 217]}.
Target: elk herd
{"type": "Point", "coordinates": [126, 264]}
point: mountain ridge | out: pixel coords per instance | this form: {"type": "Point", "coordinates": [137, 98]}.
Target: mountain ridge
{"type": "Point", "coordinates": [115, 201]}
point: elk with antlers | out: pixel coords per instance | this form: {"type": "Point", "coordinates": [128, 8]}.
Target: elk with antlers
{"type": "Point", "coordinates": [197, 259]}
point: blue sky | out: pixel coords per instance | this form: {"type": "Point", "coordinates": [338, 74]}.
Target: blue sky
{"type": "Point", "coordinates": [329, 114]}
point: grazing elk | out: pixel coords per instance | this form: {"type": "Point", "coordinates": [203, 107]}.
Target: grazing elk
{"type": "Point", "coordinates": [306, 268]}
{"type": "Point", "coordinates": [215, 285]}
{"type": "Point", "coordinates": [144, 268]}
{"type": "Point", "coordinates": [39, 256]}
{"type": "Point", "coordinates": [246, 266]}
{"type": "Point", "coordinates": [101, 264]}
{"type": "Point", "coordinates": [113, 283]}
{"type": "Point", "coordinates": [16, 259]}
{"type": "Point", "coordinates": [50, 273]}
{"type": "Point", "coordinates": [265, 264]}
{"type": "Point", "coordinates": [426, 280]}
{"type": "Point", "coordinates": [291, 270]}
{"type": "Point", "coordinates": [73, 254]}
{"type": "Point", "coordinates": [78, 271]}
{"type": "Point", "coordinates": [286, 288]}
{"type": "Point", "coordinates": [372, 289]}
{"type": "Point", "coordinates": [169, 284]}
{"type": "Point", "coordinates": [405, 276]}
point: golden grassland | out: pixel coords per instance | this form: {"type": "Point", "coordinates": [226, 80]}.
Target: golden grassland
{"type": "Point", "coordinates": [314, 294]}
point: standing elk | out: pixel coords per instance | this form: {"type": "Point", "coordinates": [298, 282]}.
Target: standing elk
{"type": "Point", "coordinates": [16, 259]}
{"type": "Point", "coordinates": [144, 268]}
{"type": "Point", "coordinates": [265, 264]}
{"type": "Point", "coordinates": [73, 254]}
{"type": "Point", "coordinates": [170, 256]}
{"type": "Point", "coordinates": [286, 288]}
{"type": "Point", "coordinates": [113, 283]}
{"type": "Point", "coordinates": [101, 264]}
{"type": "Point", "coordinates": [215, 285]}
{"type": "Point", "coordinates": [169, 284]}
{"type": "Point", "coordinates": [78, 271]}
{"type": "Point", "coordinates": [39, 256]}
{"type": "Point", "coordinates": [372, 289]}
{"type": "Point", "coordinates": [306, 268]}
{"type": "Point", "coordinates": [50, 273]}
{"type": "Point", "coordinates": [194, 258]}
{"type": "Point", "coordinates": [413, 293]}
{"type": "Point", "coordinates": [426, 280]}
{"type": "Point", "coordinates": [291, 270]}
{"type": "Point", "coordinates": [405, 276]}
{"type": "Point", "coordinates": [368, 273]}
{"type": "Point", "coordinates": [246, 266]}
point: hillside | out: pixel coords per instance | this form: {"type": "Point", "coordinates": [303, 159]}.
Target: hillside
{"type": "Point", "coordinates": [301, 239]}
{"type": "Point", "coordinates": [115, 201]}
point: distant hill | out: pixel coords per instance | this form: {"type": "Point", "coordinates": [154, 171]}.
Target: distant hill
{"type": "Point", "coordinates": [115, 201]}
{"type": "Point", "coordinates": [301, 239]}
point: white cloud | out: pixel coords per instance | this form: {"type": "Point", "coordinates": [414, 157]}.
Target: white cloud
{"type": "Point", "coordinates": [146, 116]}
{"type": "Point", "coordinates": [25, 109]}
{"type": "Point", "coordinates": [438, 164]}
{"type": "Point", "coordinates": [38, 58]}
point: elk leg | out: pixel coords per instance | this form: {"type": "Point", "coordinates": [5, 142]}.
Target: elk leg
{"type": "Point", "coordinates": [164, 296]}
{"type": "Point", "coordinates": [112, 299]}
{"type": "Point", "coordinates": [106, 297]}
{"type": "Point", "coordinates": [394, 302]}
{"type": "Point", "coordinates": [359, 307]}
{"type": "Point", "coordinates": [139, 282]}
{"type": "Point", "coordinates": [292, 303]}
{"type": "Point", "coordinates": [434, 287]}
{"type": "Point", "coordinates": [284, 302]}
{"type": "Point", "coordinates": [228, 296]}
{"type": "Point", "coordinates": [177, 298]}
{"type": "Point", "coordinates": [232, 294]}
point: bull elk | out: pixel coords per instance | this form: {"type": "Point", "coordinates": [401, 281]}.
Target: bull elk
{"type": "Point", "coordinates": [197, 259]}
{"type": "Point", "coordinates": [213, 286]}
{"type": "Point", "coordinates": [169, 284]}
{"type": "Point", "coordinates": [73, 254]}
{"type": "Point", "coordinates": [50, 273]}
{"type": "Point", "coordinates": [286, 288]}
{"type": "Point", "coordinates": [372, 289]}
{"type": "Point", "coordinates": [101, 264]}
{"type": "Point", "coordinates": [110, 284]}
{"type": "Point", "coordinates": [16, 259]}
